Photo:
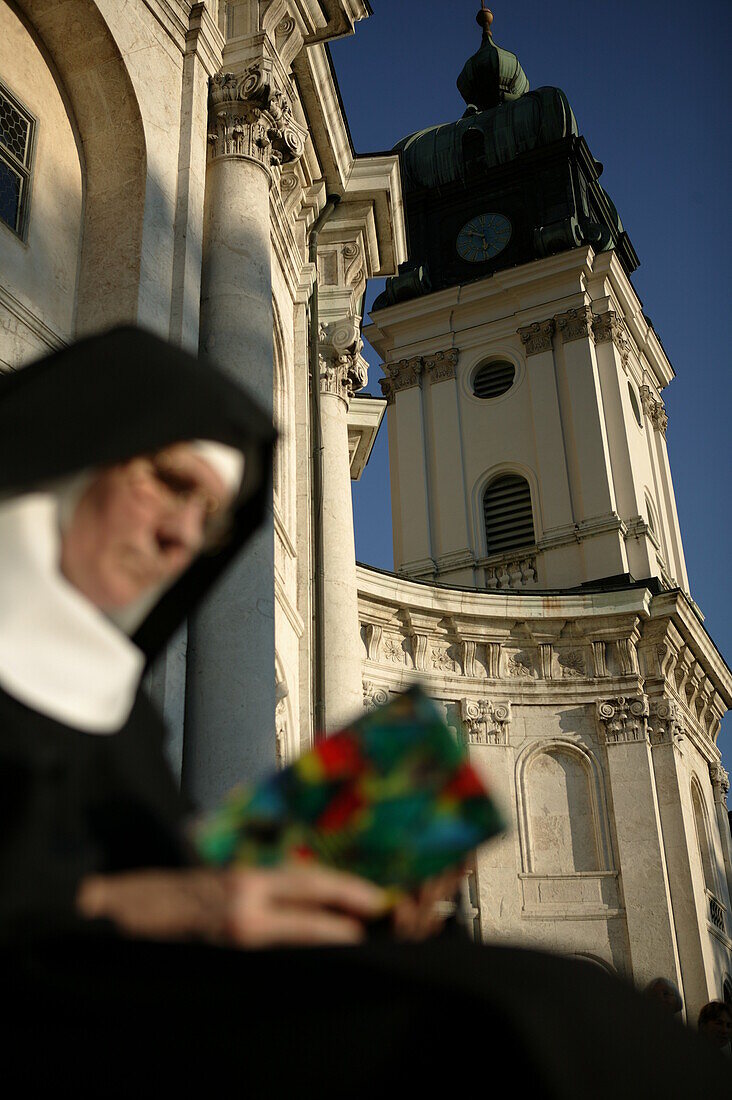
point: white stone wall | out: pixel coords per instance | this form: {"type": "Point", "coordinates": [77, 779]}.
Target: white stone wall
{"type": "Point", "coordinates": [593, 457]}
{"type": "Point", "coordinates": [589, 716]}
{"type": "Point", "coordinates": [39, 274]}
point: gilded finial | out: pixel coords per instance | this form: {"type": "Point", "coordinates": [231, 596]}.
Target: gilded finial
{"type": "Point", "coordinates": [484, 18]}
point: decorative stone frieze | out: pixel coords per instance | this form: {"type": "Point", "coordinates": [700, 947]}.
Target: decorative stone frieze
{"type": "Point", "coordinates": [251, 118]}
{"type": "Point", "coordinates": [440, 366]}
{"type": "Point", "coordinates": [537, 338]}
{"type": "Point", "coordinates": [485, 722]}
{"type": "Point", "coordinates": [374, 696]}
{"type": "Point", "coordinates": [654, 409]}
{"type": "Point", "coordinates": [343, 370]}
{"type": "Point", "coordinates": [546, 660]}
{"type": "Point", "coordinates": [609, 327]}
{"type": "Point", "coordinates": [519, 667]}
{"type": "Point", "coordinates": [575, 324]}
{"type": "Point", "coordinates": [599, 658]}
{"type": "Point", "coordinates": [373, 634]}
{"type": "Point", "coordinates": [624, 719]}
{"type": "Point", "coordinates": [572, 664]}
{"type": "Point", "coordinates": [720, 782]}
{"type": "Point", "coordinates": [666, 723]}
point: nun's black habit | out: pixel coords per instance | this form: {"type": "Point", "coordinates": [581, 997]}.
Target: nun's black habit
{"type": "Point", "coordinates": [343, 1021]}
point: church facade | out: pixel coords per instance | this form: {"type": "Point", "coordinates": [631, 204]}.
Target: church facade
{"type": "Point", "coordinates": [188, 167]}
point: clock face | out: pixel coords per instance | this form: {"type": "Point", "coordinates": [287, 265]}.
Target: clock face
{"type": "Point", "coordinates": [483, 238]}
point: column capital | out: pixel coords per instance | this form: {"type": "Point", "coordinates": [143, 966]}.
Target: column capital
{"type": "Point", "coordinates": [575, 324]}
{"type": "Point", "coordinates": [609, 327]}
{"type": "Point", "coordinates": [343, 369]}
{"type": "Point", "coordinates": [654, 409]}
{"type": "Point", "coordinates": [623, 720]}
{"type": "Point", "coordinates": [720, 782]}
{"type": "Point", "coordinates": [438, 366]}
{"type": "Point", "coordinates": [485, 722]}
{"type": "Point", "coordinates": [666, 723]}
{"type": "Point", "coordinates": [249, 117]}
{"type": "Point", "coordinates": [537, 338]}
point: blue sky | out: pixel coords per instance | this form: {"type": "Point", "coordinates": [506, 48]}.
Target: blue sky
{"type": "Point", "coordinates": [649, 82]}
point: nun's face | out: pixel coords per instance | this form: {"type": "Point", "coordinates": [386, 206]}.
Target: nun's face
{"type": "Point", "coordinates": [140, 524]}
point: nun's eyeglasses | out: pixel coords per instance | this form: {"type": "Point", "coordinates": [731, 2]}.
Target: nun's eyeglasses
{"type": "Point", "coordinates": [176, 489]}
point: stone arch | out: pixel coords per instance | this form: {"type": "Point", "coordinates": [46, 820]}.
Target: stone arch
{"type": "Point", "coordinates": [562, 815]}
{"type": "Point", "coordinates": [92, 71]}
{"type": "Point", "coordinates": [282, 419]}
{"type": "Point", "coordinates": [703, 836]}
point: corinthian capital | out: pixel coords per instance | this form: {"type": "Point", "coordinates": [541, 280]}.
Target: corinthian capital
{"type": "Point", "coordinates": [249, 117]}
{"type": "Point", "coordinates": [343, 370]}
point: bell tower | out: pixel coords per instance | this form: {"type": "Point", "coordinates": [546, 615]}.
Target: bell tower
{"type": "Point", "coordinates": [526, 423]}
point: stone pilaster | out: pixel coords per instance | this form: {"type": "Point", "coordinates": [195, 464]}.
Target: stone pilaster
{"type": "Point", "coordinates": [623, 725]}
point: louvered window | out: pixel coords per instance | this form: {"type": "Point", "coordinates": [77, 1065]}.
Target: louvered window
{"type": "Point", "coordinates": [509, 519]}
{"type": "Point", "coordinates": [494, 379]}
{"type": "Point", "coordinates": [16, 148]}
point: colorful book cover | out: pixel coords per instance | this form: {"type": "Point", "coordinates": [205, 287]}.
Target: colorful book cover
{"type": "Point", "coordinates": [392, 798]}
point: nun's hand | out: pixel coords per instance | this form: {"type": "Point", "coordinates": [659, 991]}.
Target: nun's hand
{"type": "Point", "coordinates": [251, 908]}
{"type": "Point", "coordinates": [421, 915]}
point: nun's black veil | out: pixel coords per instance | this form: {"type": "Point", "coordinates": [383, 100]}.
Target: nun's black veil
{"type": "Point", "coordinates": [126, 393]}
{"type": "Point", "coordinates": [95, 1009]}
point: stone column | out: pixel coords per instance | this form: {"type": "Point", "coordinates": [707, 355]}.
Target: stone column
{"type": "Point", "coordinates": [342, 372]}
{"type": "Point", "coordinates": [641, 851]}
{"type": "Point", "coordinates": [230, 691]}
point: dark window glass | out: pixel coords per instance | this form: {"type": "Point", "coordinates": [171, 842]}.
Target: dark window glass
{"type": "Point", "coordinates": [16, 149]}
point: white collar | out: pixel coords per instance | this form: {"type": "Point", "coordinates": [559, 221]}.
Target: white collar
{"type": "Point", "coordinates": [59, 654]}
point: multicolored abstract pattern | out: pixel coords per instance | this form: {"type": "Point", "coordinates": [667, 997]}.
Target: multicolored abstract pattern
{"type": "Point", "coordinates": [392, 798]}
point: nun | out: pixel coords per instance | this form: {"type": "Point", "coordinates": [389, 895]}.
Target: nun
{"type": "Point", "coordinates": [131, 475]}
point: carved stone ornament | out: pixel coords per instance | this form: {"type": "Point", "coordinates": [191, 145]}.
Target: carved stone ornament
{"type": "Point", "coordinates": [511, 574]}
{"type": "Point", "coordinates": [608, 326]}
{"type": "Point", "coordinates": [655, 410]}
{"type": "Point", "coordinates": [518, 668]}
{"type": "Point", "coordinates": [343, 370]}
{"type": "Point", "coordinates": [441, 366]}
{"type": "Point", "coordinates": [374, 696]}
{"type": "Point", "coordinates": [575, 324]}
{"type": "Point", "coordinates": [485, 722]}
{"type": "Point", "coordinates": [666, 723]}
{"type": "Point", "coordinates": [437, 367]}
{"type": "Point", "coordinates": [537, 338]}
{"type": "Point", "coordinates": [572, 664]}
{"type": "Point", "coordinates": [441, 660]}
{"type": "Point", "coordinates": [720, 782]}
{"type": "Point", "coordinates": [623, 720]}
{"type": "Point", "coordinates": [248, 117]}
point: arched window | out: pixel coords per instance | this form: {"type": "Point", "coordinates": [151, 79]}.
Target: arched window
{"type": "Point", "coordinates": [509, 518]}
{"type": "Point", "coordinates": [702, 837]}
{"type": "Point", "coordinates": [562, 826]}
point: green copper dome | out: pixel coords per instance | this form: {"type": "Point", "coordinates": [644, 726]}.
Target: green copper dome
{"type": "Point", "coordinates": [491, 76]}
{"type": "Point", "coordinates": [442, 154]}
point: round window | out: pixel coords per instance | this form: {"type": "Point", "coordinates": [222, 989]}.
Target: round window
{"type": "Point", "coordinates": [635, 405]}
{"type": "Point", "coordinates": [493, 379]}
